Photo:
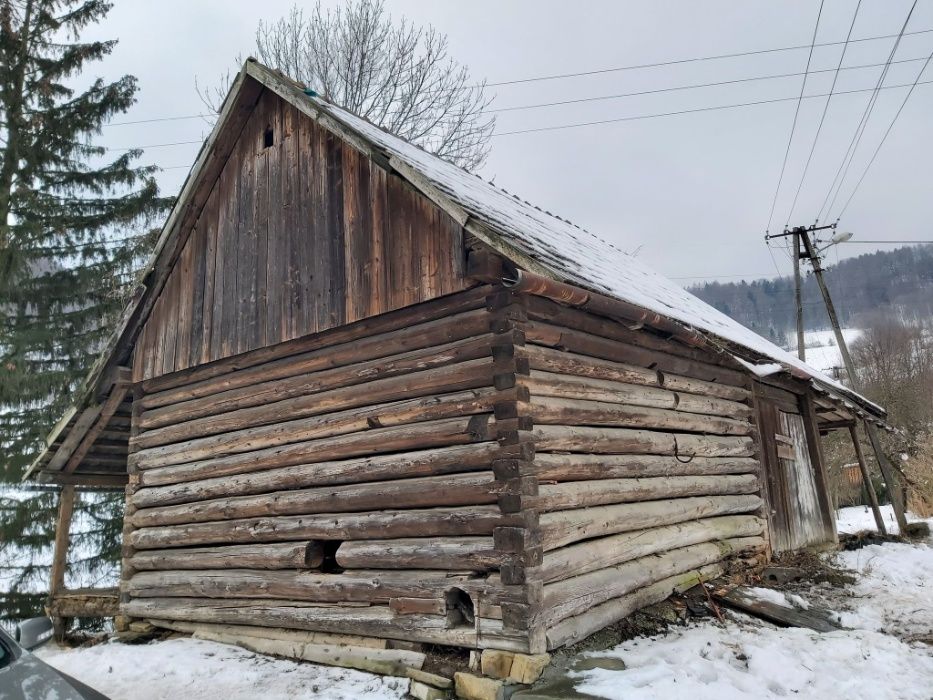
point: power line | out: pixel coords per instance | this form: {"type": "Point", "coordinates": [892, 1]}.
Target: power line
{"type": "Point", "coordinates": [884, 138]}
{"type": "Point", "coordinates": [696, 110]}
{"type": "Point", "coordinates": [860, 128]}
{"type": "Point", "coordinates": [811, 46]}
{"type": "Point", "coordinates": [601, 70]}
{"type": "Point", "coordinates": [157, 145]}
{"type": "Point", "coordinates": [692, 86]}
{"type": "Point", "coordinates": [793, 127]}
{"type": "Point", "coordinates": [896, 242]}
{"type": "Point", "coordinates": [819, 128]}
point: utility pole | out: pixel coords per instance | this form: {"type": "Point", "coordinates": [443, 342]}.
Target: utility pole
{"type": "Point", "coordinates": [802, 233]}
{"type": "Point", "coordinates": [798, 300]}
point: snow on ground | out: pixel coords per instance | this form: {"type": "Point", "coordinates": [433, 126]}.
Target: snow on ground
{"type": "Point", "coordinates": [858, 518]}
{"type": "Point", "coordinates": [747, 659]}
{"type": "Point", "coordinates": [193, 669]}
{"type": "Point", "coordinates": [889, 608]}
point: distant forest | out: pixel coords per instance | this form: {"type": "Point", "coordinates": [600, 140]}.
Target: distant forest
{"type": "Point", "coordinates": [898, 282]}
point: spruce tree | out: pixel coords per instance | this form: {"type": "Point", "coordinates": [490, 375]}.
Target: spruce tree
{"type": "Point", "coordinates": [76, 222]}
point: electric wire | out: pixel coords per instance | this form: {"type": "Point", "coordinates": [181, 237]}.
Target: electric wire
{"type": "Point", "coordinates": [860, 128]}
{"type": "Point", "coordinates": [884, 138]}
{"type": "Point", "coordinates": [819, 128]}
{"type": "Point", "coordinates": [695, 110]}
{"type": "Point", "coordinates": [793, 128]}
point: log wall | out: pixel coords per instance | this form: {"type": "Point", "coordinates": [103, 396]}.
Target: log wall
{"type": "Point", "coordinates": [300, 233]}
{"type": "Point", "coordinates": [645, 463]}
{"type": "Point", "coordinates": [341, 482]}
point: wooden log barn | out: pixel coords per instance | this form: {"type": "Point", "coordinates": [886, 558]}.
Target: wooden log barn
{"type": "Point", "coordinates": [362, 391]}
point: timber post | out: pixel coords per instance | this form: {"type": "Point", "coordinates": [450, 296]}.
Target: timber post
{"type": "Point", "coordinates": [66, 504]}
{"type": "Point", "coordinates": [866, 479]}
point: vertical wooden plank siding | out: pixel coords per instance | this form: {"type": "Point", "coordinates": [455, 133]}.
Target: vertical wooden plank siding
{"type": "Point", "coordinates": [296, 236]}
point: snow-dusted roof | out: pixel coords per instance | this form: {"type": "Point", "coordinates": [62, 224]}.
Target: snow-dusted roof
{"type": "Point", "coordinates": [568, 253]}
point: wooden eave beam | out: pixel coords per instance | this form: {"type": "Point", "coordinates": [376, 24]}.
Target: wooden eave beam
{"type": "Point", "coordinates": [107, 409]}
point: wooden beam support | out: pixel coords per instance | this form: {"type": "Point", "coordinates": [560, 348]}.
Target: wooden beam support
{"type": "Point", "coordinates": [866, 479]}
{"type": "Point", "coordinates": [66, 504]}
{"type": "Point", "coordinates": [109, 407]}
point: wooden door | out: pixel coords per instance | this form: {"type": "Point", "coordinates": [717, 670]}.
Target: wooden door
{"type": "Point", "coordinates": [797, 507]}
{"type": "Point", "coordinates": [804, 516]}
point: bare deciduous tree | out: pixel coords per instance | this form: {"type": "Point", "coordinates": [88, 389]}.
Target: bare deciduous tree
{"type": "Point", "coordinates": [395, 75]}
{"type": "Point", "coordinates": [894, 361]}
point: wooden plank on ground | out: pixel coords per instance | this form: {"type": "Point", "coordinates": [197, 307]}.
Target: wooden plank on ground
{"type": "Point", "coordinates": [749, 601]}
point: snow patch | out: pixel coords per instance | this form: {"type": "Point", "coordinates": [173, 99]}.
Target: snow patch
{"type": "Point", "coordinates": [198, 670]}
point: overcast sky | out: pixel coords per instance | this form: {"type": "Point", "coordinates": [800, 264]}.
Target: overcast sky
{"type": "Point", "coordinates": [690, 193]}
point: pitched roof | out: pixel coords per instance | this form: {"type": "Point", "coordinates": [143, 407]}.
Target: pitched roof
{"type": "Point", "coordinates": [530, 237]}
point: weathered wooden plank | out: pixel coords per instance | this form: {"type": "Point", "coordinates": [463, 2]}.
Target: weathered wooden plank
{"type": "Point", "coordinates": [387, 524]}
{"type": "Point", "coordinates": [595, 554]}
{"type": "Point", "coordinates": [577, 467]}
{"type": "Point", "coordinates": [475, 488]}
{"type": "Point", "coordinates": [462, 403]}
{"type": "Point", "coordinates": [370, 620]}
{"type": "Point", "coordinates": [288, 555]}
{"type": "Point", "coordinates": [443, 460]}
{"type": "Point", "coordinates": [451, 553]}
{"type": "Point", "coordinates": [158, 390]}
{"type": "Point", "coordinates": [546, 383]}
{"type": "Point", "coordinates": [579, 627]}
{"type": "Point", "coordinates": [309, 381]}
{"type": "Point", "coordinates": [595, 440]}
{"type": "Point", "coordinates": [307, 586]}
{"type": "Point", "coordinates": [561, 411]}
{"type": "Point", "coordinates": [578, 594]}
{"type": "Point", "coordinates": [746, 600]}
{"type": "Point", "coordinates": [563, 527]}
{"type": "Point", "coordinates": [433, 333]}
{"type": "Point", "coordinates": [440, 433]}
{"type": "Point", "coordinates": [584, 494]}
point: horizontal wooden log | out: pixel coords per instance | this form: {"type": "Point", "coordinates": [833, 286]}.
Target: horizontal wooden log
{"type": "Point", "coordinates": [551, 466]}
{"type": "Point", "coordinates": [416, 318]}
{"type": "Point", "coordinates": [311, 382]}
{"type": "Point", "coordinates": [563, 527]}
{"type": "Point", "coordinates": [563, 386]}
{"type": "Point", "coordinates": [287, 555]}
{"type": "Point", "coordinates": [554, 411]}
{"type": "Point", "coordinates": [451, 431]}
{"type": "Point", "coordinates": [585, 320]}
{"type": "Point", "coordinates": [582, 343]}
{"type": "Point", "coordinates": [374, 620]}
{"type": "Point", "coordinates": [475, 488]}
{"type": "Point", "coordinates": [461, 403]}
{"type": "Point", "coordinates": [281, 634]}
{"type": "Point", "coordinates": [404, 465]}
{"type": "Point", "coordinates": [454, 553]}
{"type": "Point", "coordinates": [578, 594]}
{"type": "Point", "coordinates": [388, 524]}
{"type": "Point", "coordinates": [603, 552]}
{"type": "Point", "coordinates": [85, 602]}
{"type": "Point", "coordinates": [466, 375]}
{"type": "Point", "coordinates": [575, 629]}
{"type": "Point", "coordinates": [563, 362]}
{"type": "Point", "coordinates": [598, 440]}
{"type": "Point", "coordinates": [308, 586]}
{"type": "Point", "coordinates": [584, 494]}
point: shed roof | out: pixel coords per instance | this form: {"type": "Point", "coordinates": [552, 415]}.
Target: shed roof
{"type": "Point", "coordinates": [530, 237]}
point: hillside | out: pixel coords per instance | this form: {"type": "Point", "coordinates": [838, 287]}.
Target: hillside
{"type": "Point", "coordinates": [898, 281]}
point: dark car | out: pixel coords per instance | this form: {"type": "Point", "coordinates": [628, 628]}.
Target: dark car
{"type": "Point", "coordinates": [24, 677]}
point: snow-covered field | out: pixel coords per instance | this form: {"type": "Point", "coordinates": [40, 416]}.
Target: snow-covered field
{"type": "Point", "coordinates": [885, 655]}
{"type": "Point", "coordinates": [822, 351]}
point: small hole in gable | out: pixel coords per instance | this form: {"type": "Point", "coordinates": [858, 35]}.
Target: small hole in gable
{"type": "Point", "coordinates": [268, 138]}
